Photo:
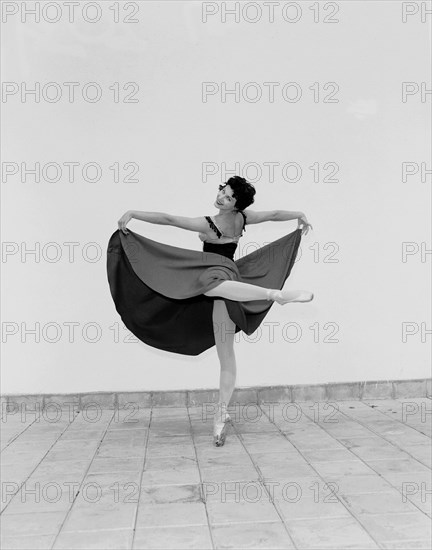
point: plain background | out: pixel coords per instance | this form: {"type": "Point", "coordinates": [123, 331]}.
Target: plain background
{"type": "Point", "coordinates": [365, 291]}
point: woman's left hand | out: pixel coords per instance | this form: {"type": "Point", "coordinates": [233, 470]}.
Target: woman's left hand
{"type": "Point", "coordinates": [304, 225]}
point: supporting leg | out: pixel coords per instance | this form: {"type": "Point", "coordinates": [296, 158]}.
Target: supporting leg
{"type": "Point", "coordinates": [245, 292]}
{"type": "Point", "coordinates": [224, 332]}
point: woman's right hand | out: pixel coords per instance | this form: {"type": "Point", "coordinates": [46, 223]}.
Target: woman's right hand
{"type": "Point", "coordinates": [124, 220]}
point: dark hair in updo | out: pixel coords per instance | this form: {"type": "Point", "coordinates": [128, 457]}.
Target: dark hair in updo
{"type": "Point", "coordinates": [243, 191]}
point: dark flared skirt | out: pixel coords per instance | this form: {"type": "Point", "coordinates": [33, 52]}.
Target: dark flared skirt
{"type": "Point", "coordinates": [158, 289]}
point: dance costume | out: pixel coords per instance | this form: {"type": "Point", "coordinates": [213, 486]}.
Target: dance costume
{"type": "Point", "coordinates": [158, 289]}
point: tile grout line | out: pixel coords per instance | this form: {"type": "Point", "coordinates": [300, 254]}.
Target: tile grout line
{"type": "Point", "coordinates": [366, 464]}
{"type": "Point", "coordinates": [375, 408]}
{"type": "Point", "coordinates": [40, 462]}
{"type": "Point", "coordinates": [141, 475]}
{"type": "Point", "coordinates": [17, 436]}
{"type": "Point", "coordinates": [204, 500]}
{"type": "Point", "coordinates": [262, 482]}
{"type": "Point", "coordinates": [381, 436]}
{"type": "Point", "coordinates": [326, 483]}
{"type": "Point", "coordinates": [82, 481]}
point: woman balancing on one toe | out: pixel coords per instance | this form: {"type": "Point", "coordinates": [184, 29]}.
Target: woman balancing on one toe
{"type": "Point", "coordinates": [189, 292]}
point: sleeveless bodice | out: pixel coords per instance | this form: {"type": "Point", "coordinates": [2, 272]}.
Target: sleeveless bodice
{"type": "Point", "coordinates": [235, 238]}
{"type": "Point", "coordinates": [225, 249]}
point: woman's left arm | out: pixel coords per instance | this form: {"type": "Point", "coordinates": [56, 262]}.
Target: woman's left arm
{"type": "Point", "coordinates": [285, 215]}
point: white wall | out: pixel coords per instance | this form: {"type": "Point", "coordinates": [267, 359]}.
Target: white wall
{"type": "Point", "coordinates": [364, 292]}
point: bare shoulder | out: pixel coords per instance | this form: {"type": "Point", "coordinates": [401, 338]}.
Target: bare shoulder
{"type": "Point", "coordinates": [252, 216]}
{"type": "Point", "coordinates": [198, 224]}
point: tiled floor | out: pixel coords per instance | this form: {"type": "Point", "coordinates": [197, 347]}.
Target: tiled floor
{"type": "Point", "coordinates": [351, 474]}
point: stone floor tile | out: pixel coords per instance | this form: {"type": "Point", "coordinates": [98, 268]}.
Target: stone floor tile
{"type": "Point", "coordinates": [139, 435]}
{"type": "Point", "coordinates": [200, 429]}
{"type": "Point", "coordinates": [378, 451]}
{"type": "Point", "coordinates": [158, 515]}
{"type": "Point", "coordinates": [305, 443]}
{"type": "Point", "coordinates": [349, 467]}
{"type": "Point", "coordinates": [75, 453]}
{"type": "Point", "coordinates": [303, 428]}
{"type": "Point", "coordinates": [236, 491]}
{"type": "Point", "coordinates": [29, 542]}
{"type": "Point", "coordinates": [407, 544]}
{"type": "Point", "coordinates": [36, 497]}
{"type": "Point", "coordinates": [179, 463]}
{"type": "Point", "coordinates": [101, 515]}
{"type": "Point", "coordinates": [263, 535]}
{"type": "Point", "coordinates": [279, 459]}
{"type": "Point", "coordinates": [15, 473]}
{"type": "Point", "coordinates": [235, 473]}
{"type": "Point", "coordinates": [347, 429]}
{"type": "Point", "coordinates": [121, 449]}
{"type": "Point", "coordinates": [378, 503]}
{"type": "Point", "coordinates": [420, 452]}
{"type": "Point", "coordinates": [358, 484]}
{"type": "Point", "coordinates": [115, 539]}
{"type": "Point", "coordinates": [46, 523]}
{"type": "Point", "coordinates": [225, 460]}
{"type": "Point", "coordinates": [400, 526]}
{"type": "Point", "coordinates": [115, 465]}
{"type": "Point", "coordinates": [179, 439]}
{"type": "Point", "coordinates": [397, 466]}
{"type": "Point", "coordinates": [167, 412]}
{"type": "Point", "coordinates": [422, 501]}
{"type": "Point", "coordinates": [120, 425]}
{"type": "Point", "coordinates": [164, 494]}
{"type": "Point", "coordinates": [124, 426]}
{"type": "Point", "coordinates": [298, 505]}
{"type": "Point", "coordinates": [71, 467]}
{"type": "Point", "coordinates": [402, 480]}
{"type": "Point", "coordinates": [340, 533]}
{"type": "Point", "coordinates": [305, 484]}
{"type": "Point", "coordinates": [291, 468]}
{"type": "Point", "coordinates": [255, 428]}
{"type": "Point", "coordinates": [232, 511]}
{"type": "Point", "coordinates": [170, 477]}
{"type": "Point", "coordinates": [372, 440]}
{"type": "Point", "coordinates": [156, 431]}
{"type": "Point", "coordinates": [106, 479]}
{"type": "Point", "coordinates": [28, 458]}
{"type": "Point", "coordinates": [96, 434]}
{"type": "Point", "coordinates": [20, 445]}
{"type": "Point", "coordinates": [332, 455]}
{"type": "Point", "coordinates": [168, 450]}
{"type": "Point", "coordinates": [263, 446]}
{"type": "Point", "coordinates": [191, 537]}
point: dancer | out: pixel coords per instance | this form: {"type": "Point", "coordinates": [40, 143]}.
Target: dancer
{"type": "Point", "coordinates": [162, 291]}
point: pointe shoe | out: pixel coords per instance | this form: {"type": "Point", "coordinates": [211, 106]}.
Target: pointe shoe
{"type": "Point", "coordinates": [219, 431]}
{"type": "Point", "coordinates": [284, 296]}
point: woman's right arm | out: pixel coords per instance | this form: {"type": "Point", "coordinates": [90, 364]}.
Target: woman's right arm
{"type": "Point", "coordinates": [152, 217]}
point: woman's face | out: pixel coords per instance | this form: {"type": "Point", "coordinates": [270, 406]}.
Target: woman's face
{"type": "Point", "coordinates": [224, 200]}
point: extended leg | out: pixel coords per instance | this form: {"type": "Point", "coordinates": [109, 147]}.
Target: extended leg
{"type": "Point", "coordinates": [245, 292]}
